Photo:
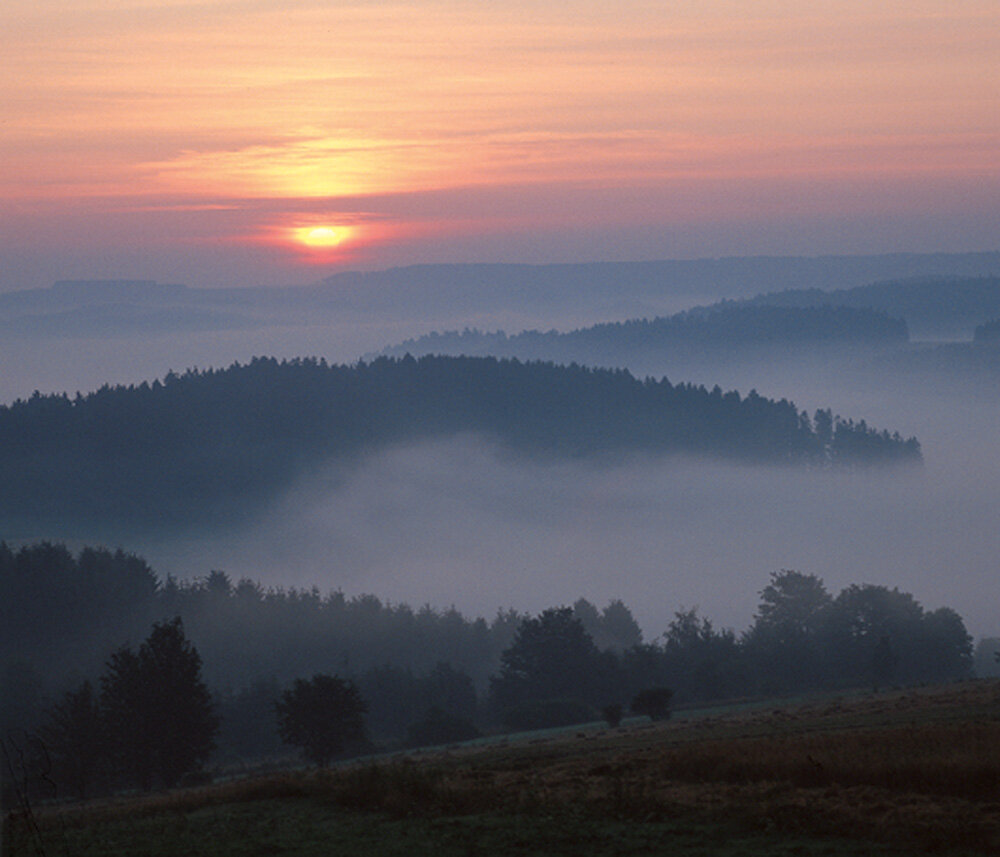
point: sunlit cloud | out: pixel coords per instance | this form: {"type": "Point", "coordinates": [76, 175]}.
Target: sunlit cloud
{"type": "Point", "coordinates": [170, 106]}
{"type": "Point", "coordinates": [337, 168]}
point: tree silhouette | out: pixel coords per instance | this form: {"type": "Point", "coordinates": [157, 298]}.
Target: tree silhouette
{"type": "Point", "coordinates": [883, 662]}
{"type": "Point", "coordinates": [786, 642]}
{"type": "Point", "coordinates": [654, 702]}
{"type": "Point", "coordinates": [321, 716]}
{"type": "Point", "coordinates": [926, 646]}
{"type": "Point", "coordinates": [551, 656]}
{"type": "Point", "coordinates": [76, 737]}
{"type": "Point", "coordinates": [157, 709]}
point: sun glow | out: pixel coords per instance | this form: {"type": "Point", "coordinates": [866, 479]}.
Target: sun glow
{"type": "Point", "coordinates": [321, 237]}
{"type": "Point", "coordinates": [313, 241]}
{"type": "Point", "coordinates": [529, 130]}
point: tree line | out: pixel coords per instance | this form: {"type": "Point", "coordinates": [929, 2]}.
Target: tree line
{"type": "Point", "coordinates": [208, 446]}
{"type": "Point", "coordinates": [70, 622]}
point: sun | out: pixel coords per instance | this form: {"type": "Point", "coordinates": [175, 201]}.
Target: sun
{"type": "Point", "coordinates": [321, 237]}
{"type": "Point", "coordinates": [319, 240]}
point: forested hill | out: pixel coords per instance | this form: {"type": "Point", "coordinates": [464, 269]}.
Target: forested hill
{"type": "Point", "coordinates": [931, 306]}
{"type": "Point", "coordinates": [720, 327]}
{"type": "Point", "coordinates": [209, 444]}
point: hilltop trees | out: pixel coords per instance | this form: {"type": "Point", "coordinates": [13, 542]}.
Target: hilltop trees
{"type": "Point", "coordinates": [722, 327]}
{"type": "Point", "coordinates": [56, 606]}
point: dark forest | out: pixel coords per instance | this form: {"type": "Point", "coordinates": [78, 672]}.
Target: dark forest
{"type": "Point", "coordinates": [427, 675]}
{"type": "Point", "coordinates": [208, 446]}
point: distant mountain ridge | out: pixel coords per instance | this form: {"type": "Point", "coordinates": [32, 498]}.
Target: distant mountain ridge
{"type": "Point", "coordinates": [210, 445]}
{"type": "Point", "coordinates": [577, 294]}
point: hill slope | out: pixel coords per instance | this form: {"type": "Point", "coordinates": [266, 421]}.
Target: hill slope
{"type": "Point", "coordinates": [206, 445]}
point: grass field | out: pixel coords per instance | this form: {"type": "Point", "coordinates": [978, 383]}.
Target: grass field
{"type": "Point", "coordinates": [893, 774]}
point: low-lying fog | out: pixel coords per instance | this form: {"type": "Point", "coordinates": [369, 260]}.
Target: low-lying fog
{"type": "Point", "coordinates": [460, 522]}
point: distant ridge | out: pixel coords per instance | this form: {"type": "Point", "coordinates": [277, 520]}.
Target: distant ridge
{"type": "Point", "coordinates": [559, 294]}
{"type": "Point", "coordinates": [950, 305]}
{"type": "Point", "coordinates": [616, 291]}
{"type": "Point", "coordinates": [723, 327]}
{"type": "Point", "coordinates": [988, 332]}
{"type": "Point", "coordinates": [731, 276]}
{"type": "Point", "coordinates": [118, 290]}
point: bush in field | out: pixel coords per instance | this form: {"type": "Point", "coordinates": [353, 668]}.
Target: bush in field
{"type": "Point", "coordinates": [547, 714]}
{"type": "Point", "coordinates": [439, 727]}
{"type": "Point", "coordinates": [322, 716]}
{"type": "Point", "coordinates": [612, 715]}
{"type": "Point", "coordinates": [653, 702]}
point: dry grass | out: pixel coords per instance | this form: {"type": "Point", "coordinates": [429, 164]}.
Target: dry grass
{"type": "Point", "coordinates": [921, 769]}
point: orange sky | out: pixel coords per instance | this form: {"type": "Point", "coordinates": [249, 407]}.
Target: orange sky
{"type": "Point", "coordinates": [202, 140]}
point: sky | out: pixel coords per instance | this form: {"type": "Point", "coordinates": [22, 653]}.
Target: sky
{"type": "Point", "coordinates": [246, 142]}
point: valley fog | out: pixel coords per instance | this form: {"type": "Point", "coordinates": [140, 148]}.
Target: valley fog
{"type": "Point", "coordinates": [462, 522]}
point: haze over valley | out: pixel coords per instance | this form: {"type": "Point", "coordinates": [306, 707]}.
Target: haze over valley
{"type": "Point", "coordinates": [460, 520]}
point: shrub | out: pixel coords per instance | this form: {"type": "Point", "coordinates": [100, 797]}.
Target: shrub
{"type": "Point", "coordinates": [653, 702]}
{"type": "Point", "coordinates": [437, 727]}
{"type": "Point", "coordinates": [547, 714]}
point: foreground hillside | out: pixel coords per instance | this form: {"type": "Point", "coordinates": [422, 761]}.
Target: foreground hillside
{"type": "Point", "coordinates": [209, 445]}
{"type": "Point", "coordinates": [907, 772]}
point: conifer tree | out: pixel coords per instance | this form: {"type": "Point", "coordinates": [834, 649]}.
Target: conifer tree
{"type": "Point", "coordinates": [158, 711]}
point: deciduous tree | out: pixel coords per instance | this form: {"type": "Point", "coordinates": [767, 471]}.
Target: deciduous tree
{"type": "Point", "coordinates": [552, 656]}
{"type": "Point", "coordinates": [322, 716]}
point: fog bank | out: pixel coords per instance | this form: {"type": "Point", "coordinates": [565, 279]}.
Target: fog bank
{"type": "Point", "coordinates": [460, 522]}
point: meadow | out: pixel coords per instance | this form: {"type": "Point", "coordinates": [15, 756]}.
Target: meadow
{"type": "Point", "coordinates": [901, 772]}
